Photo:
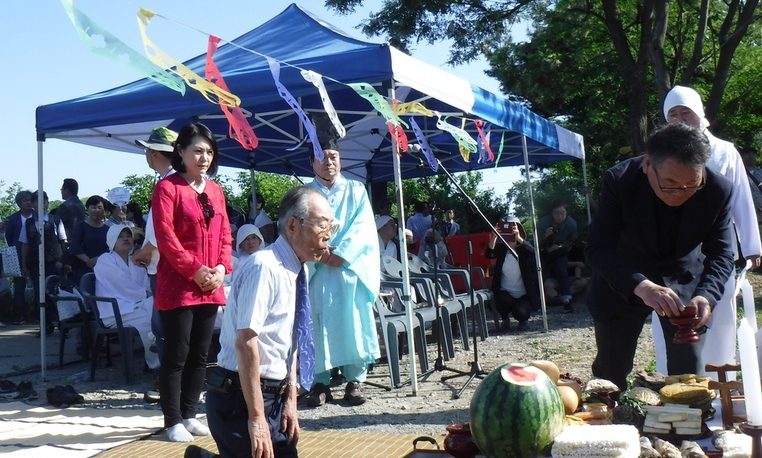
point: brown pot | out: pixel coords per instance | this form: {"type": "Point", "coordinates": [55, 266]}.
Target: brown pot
{"type": "Point", "coordinates": [458, 441]}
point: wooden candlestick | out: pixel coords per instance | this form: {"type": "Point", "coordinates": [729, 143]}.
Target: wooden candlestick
{"type": "Point", "coordinates": [685, 323]}
{"type": "Point", "coordinates": [756, 438]}
{"type": "Point", "coordinates": [725, 388]}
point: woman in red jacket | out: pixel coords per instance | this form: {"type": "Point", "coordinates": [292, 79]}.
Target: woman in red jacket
{"type": "Point", "coordinates": [193, 235]}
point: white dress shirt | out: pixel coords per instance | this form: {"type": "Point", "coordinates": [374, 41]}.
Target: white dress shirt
{"type": "Point", "coordinates": [263, 299]}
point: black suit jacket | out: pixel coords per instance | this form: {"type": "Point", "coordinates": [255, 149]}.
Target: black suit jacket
{"type": "Point", "coordinates": [623, 247]}
{"type": "Point", "coordinates": [527, 266]}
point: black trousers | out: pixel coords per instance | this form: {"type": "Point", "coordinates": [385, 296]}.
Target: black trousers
{"type": "Point", "coordinates": [228, 417]}
{"type": "Point", "coordinates": [187, 333]}
{"type": "Point", "coordinates": [508, 305]}
{"type": "Point", "coordinates": [617, 340]}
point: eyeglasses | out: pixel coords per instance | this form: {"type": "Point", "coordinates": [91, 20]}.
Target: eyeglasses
{"type": "Point", "coordinates": [679, 189]}
{"type": "Point", "coordinates": [206, 207]}
{"type": "Point", "coordinates": [324, 227]}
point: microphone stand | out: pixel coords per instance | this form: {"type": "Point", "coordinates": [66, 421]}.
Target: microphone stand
{"type": "Point", "coordinates": [475, 369]}
{"type": "Point", "coordinates": [439, 364]}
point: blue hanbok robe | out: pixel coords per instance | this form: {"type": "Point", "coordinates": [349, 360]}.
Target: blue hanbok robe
{"type": "Point", "coordinates": [342, 297]}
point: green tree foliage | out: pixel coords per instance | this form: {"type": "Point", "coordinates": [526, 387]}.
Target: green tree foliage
{"type": "Point", "coordinates": [600, 68]}
{"type": "Point", "coordinates": [8, 199]}
{"type": "Point", "coordinates": [272, 186]}
{"type": "Point", "coordinates": [141, 189]}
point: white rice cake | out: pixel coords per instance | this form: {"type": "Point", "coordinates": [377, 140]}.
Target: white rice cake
{"type": "Point", "coordinates": [597, 441]}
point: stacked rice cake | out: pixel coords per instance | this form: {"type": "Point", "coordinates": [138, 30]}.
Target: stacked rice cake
{"type": "Point", "coordinates": [672, 419]}
{"type": "Point", "coordinates": [621, 441]}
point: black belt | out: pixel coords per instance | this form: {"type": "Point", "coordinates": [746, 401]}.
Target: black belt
{"type": "Point", "coordinates": [225, 380]}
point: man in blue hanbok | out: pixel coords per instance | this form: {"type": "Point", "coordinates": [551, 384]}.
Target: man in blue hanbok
{"type": "Point", "coordinates": [344, 284]}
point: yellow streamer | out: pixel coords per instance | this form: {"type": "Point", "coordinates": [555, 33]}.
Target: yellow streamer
{"type": "Point", "coordinates": [210, 91]}
{"type": "Point", "coordinates": [412, 107]}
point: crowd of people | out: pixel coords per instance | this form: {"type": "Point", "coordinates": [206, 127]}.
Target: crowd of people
{"type": "Point", "coordinates": [293, 298]}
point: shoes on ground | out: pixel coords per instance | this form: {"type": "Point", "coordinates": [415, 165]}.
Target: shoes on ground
{"type": "Point", "coordinates": [64, 396]}
{"type": "Point", "coordinates": [25, 392]}
{"type": "Point", "coordinates": [353, 394]}
{"type": "Point", "coordinates": [319, 395]}
{"type": "Point", "coordinates": [6, 386]}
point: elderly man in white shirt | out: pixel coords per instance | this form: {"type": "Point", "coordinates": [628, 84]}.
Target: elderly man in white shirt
{"type": "Point", "coordinates": [117, 277]}
{"type": "Point", "coordinates": [251, 401]}
{"type": "Point", "coordinates": [683, 105]}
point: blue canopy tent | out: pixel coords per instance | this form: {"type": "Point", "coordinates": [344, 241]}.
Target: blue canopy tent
{"type": "Point", "coordinates": [115, 118]}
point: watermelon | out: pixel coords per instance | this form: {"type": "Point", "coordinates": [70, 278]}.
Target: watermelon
{"type": "Point", "coordinates": [516, 411]}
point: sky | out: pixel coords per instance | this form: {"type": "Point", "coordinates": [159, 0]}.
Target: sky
{"type": "Point", "coordinates": [46, 63]}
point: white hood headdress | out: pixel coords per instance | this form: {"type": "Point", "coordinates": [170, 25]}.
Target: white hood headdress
{"type": "Point", "coordinates": [687, 97]}
{"type": "Point", "coordinates": [245, 231]}
{"type": "Point", "coordinates": [113, 235]}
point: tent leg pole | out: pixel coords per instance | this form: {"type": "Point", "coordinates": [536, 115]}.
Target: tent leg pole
{"type": "Point", "coordinates": [535, 235]}
{"type": "Point", "coordinates": [403, 256]}
{"type": "Point", "coordinates": [41, 265]}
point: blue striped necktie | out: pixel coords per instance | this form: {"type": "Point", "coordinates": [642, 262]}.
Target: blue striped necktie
{"type": "Point", "coordinates": [303, 332]}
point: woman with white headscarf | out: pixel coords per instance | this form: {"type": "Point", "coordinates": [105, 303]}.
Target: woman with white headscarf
{"type": "Point", "coordinates": [117, 277]}
{"type": "Point", "coordinates": [683, 105]}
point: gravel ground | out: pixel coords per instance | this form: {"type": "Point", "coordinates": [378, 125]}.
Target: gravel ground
{"type": "Point", "coordinates": [569, 343]}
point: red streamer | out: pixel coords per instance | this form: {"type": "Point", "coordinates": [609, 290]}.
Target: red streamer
{"type": "Point", "coordinates": [396, 131]}
{"type": "Point", "coordinates": [479, 124]}
{"type": "Point", "coordinates": [240, 130]}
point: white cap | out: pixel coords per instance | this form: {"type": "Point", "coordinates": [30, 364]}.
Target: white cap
{"type": "Point", "coordinates": [686, 97]}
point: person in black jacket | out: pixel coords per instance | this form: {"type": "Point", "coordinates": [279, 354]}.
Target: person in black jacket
{"type": "Point", "coordinates": [514, 280]}
{"type": "Point", "coordinates": [661, 240]}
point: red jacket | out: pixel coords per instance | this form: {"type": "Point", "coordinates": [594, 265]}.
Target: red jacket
{"type": "Point", "coordinates": [186, 243]}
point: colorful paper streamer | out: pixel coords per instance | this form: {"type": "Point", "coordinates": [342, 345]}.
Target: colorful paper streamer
{"type": "Point", "coordinates": [291, 101]}
{"type": "Point", "coordinates": [401, 108]}
{"type": "Point", "coordinates": [398, 132]}
{"type": "Point", "coordinates": [500, 149]}
{"type": "Point", "coordinates": [424, 142]}
{"type": "Point", "coordinates": [104, 43]}
{"type": "Point", "coordinates": [240, 130]}
{"type": "Point", "coordinates": [210, 92]}
{"type": "Point", "coordinates": [378, 101]}
{"type": "Point", "coordinates": [466, 143]}
{"type": "Point", "coordinates": [485, 142]}
{"type": "Point", "coordinates": [317, 80]}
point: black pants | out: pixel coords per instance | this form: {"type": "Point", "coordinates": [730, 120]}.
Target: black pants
{"type": "Point", "coordinates": [20, 306]}
{"type": "Point", "coordinates": [558, 268]}
{"type": "Point", "coordinates": [187, 333]}
{"type": "Point", "coordinates": [617, 341]}
{"type": "Point", "coordinates": [228, 416]}
{"type": "Point", "coordinates": [508, 305]}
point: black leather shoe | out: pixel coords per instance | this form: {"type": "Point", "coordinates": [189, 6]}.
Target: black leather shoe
{"type": "Point", "coordinates": [319, 395]}
{"type": "Point", "coordinates": [353, 394]}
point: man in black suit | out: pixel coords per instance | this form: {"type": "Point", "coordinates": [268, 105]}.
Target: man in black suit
{"type": "Point", "coordinates": [661, 240]}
